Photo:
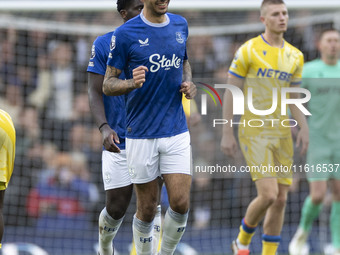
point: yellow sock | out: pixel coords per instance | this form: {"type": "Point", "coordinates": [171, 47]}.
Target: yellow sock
{"type": "Point", "coordinates": [269, 248]}
{"type": "Point", "coordinates": [133, 249]}
{"type": "Point", "coordinates": [159, 243]}
{"type": "Point", "coordinates": [0, 245]}
{"type": "Point", "coordinates": [246, 233]}
{"type": "Point", "coordinates": [244, 237]}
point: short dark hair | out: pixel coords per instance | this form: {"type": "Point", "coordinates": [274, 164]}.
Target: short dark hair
{"type": "Point", "coordinates": [122, 4]}
{"type": "Point", "coordinates": [265, 2]}
{"type": "Point", "coordinates": [325, 30]}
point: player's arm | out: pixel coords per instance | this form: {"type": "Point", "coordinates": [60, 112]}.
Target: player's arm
{"type": "Point", "coordinates": [113, 86]}
{"type": "Point", "coordinates": [188, 87]}
{"type": "Point", "coordinates": [109, 136]}
{"type": "Point", "coordinates": [302, 138]}
{"type": "Point", "coordinates": [228, 142]}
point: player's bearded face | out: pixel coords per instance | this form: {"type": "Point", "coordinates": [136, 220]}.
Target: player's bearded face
{"type": "Point", "coordinates": [160, 7]}
{"type": "Point", "coordinates": [276, 18]}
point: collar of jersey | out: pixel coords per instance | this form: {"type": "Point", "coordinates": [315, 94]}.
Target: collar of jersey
{"type": "Point", "coordinates": [155, 24]}
{"type": "Point", "coordinates": [283, 43]}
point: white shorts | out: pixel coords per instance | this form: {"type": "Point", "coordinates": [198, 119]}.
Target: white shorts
{"type": "Point", "coordinates": [149, 158]}
{"type": "Point", "coordinates": [114, 170]}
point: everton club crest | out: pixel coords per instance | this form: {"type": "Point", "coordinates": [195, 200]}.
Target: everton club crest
{"type": "Point", "coordinates": [179, 37]}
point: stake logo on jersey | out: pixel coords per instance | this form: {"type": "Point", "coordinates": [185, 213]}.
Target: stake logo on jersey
{"type": "Point", "coordinates": [163, 62]}
{"type": "Point", "coordinates": [154, 110]}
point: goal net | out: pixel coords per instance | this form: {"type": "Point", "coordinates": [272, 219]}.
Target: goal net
{"type": "Point", "coordinates": [56, 191]}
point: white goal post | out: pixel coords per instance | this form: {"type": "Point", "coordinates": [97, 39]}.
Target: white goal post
{"type": "Point", "coordinates": [176, 5]}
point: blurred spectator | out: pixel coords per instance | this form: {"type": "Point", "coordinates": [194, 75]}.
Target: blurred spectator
{"type": "Point", "coordinates": [29, 45]}
{"type": "Point", "coordinates": [8, 72]}
{"type": "Point", "coordinates": [63, 200]}
{"type": "Point", "coordinates": [59, 108]}
{"type": "Point", "coordinates": [61, 99]}
{"type": "Point", "coordinates": [12, 102]}
{"type": "Point", "coordinates": [201, 51]}
{"type": "Point", "coordinates": [82, 49]}
{"type": "Point", "coordinates": [42, 92]}
{"type": "Point", "coordinates": [79, 138]}
{"type": "Point", "coordinates": [81, 112]}
{"type": "Point", "coordinates": [28, 129]}
{"type": "Point", "coordinates": [27, 80]}
{"type": "Point", "coordinates": [38, 41]}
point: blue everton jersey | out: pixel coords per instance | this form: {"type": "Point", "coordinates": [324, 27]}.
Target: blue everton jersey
{"type": "Point", "coordinates": [114, 106]}
{"type": "Point", "coordinates": [154, 110]}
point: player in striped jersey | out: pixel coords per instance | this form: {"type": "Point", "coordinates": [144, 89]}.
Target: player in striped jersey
{"type": "Point", "coordinates": [262, 64]}
{"type": "Point", "coordinates": [321, 77]}
{"type": "Point", "coordinates": [7, 155]}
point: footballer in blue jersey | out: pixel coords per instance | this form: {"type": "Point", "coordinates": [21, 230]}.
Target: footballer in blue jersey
{"type": "Point", "coordinates": [154, 110]}
{"type": "Point", "coordinates": [109, 114]}
{"type": "Point", "coordinates": [115, 116]}
{"type": "Point", "coordinates": [151, 50]}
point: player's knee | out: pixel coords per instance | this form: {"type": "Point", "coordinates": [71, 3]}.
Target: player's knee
{"type": "Point", "coordinates": [317, 198]}
{"type": "Point", "coordinates": [116, 212]}
{"type": "Point", "coordinates": [148, 211]}
{"type": "Point", "coordinates": [281, 201]}
{"type": "Point", "coordinates": [180, 204]}
{"type": "Point", "coordinates": [268, 199]}
{"type": "Point", "coordinates": [117, 201]}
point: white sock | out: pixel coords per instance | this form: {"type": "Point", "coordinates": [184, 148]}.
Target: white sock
{"type": "Point", "coordinates": [108, 228]}
{"type": "Point", "coordinates": [157, 223]}
{"type": "Point", "coordinates": [173, 230]}
{"type": "Point", "coordinates": [142, 236]}
{"type": "Point", "coordinates": [241, 246]}
{"type": "Point", "coordinates": [301, 235]}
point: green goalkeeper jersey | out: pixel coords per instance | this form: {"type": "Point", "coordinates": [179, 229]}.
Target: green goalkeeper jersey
{"type": "Point", "coordinates": [323, 81]}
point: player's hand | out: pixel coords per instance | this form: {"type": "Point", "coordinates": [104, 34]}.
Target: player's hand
{"type": "Point", "coordinates": [110, 139]}
{"type": "Point", "coordinates": [138, 75]}
{"type": "Point", "coordinates": [229, 145]}
{"type": "Point", "coordinates": [302, 141]}
{"type": "Point", "coordinates": [189, 89]}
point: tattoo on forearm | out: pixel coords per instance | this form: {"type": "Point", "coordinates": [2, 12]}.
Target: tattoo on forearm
{"type": "Point", "coordinates": [187, 74]}
{"type": "Point", "coordinates": [113, 86]}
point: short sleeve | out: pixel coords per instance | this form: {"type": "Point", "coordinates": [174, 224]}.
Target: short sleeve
{"type": "Point", "coordinates": [240, 64]}
{"type": "Point", "coordinates": [297, 75]}
{"type": "Point", "coordinates": [97, 62]}
{"type": "Point", "coordinates": [118, 50]}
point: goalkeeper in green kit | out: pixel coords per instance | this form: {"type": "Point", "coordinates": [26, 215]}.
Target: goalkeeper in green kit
{"type": "Point", "coordinates": [322, 78]}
